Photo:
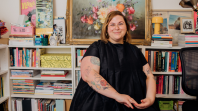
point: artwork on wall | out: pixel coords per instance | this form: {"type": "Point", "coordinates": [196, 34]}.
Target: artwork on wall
{"type": "Point", "coordinates": [28, 7]}
{"type": "Point", "coordinates": [171, 19]}
{"type": "Point", "coordinates": [85, 19]}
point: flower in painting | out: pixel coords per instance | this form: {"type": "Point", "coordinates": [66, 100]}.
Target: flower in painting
{"type": "Point", "coordinates": [102, 20]}
{"type": "Point", "coordinates": [132, 27]}
{"type": "Point", "coordinates": [102, 13]}
{"type": "Point", "coordinates": [99, 1]}
{"type": "Point", "coordinates": [123, 13]}
{"type": "Point", "coordinates": [112, 8]}
{"type": "Point", "coordinates": [83, 19]}
{"type": "Point", "coordinates": [97, 26]}
{"type": "Point", "coordinates": [130, 10]}
{"type": "Point", "coordinates": [95, 9]}
{"type": "Point", "coordinates": [130, 18]}
{"type": "Point", "coordinates": [95, 16]}
{"type": "Point", "coordinates": [90, 20]}
{"type": "Point", "coordinates": [120, 7]}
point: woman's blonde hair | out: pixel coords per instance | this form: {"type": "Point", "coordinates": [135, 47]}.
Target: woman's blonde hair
{"type": "Point", "coordinates": [104, 34]}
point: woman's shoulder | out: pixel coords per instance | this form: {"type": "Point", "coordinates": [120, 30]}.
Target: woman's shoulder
{"type": "Point", "coordinates": [97, 43]}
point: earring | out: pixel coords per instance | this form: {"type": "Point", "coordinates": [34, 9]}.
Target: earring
{"type": "Point", "coordinates": [127, 32]}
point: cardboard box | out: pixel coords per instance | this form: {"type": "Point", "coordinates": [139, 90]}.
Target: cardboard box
{"type": "Point", "coordinates": [67, 104]}
{"type": "Point", "coordinates": [4, 41]}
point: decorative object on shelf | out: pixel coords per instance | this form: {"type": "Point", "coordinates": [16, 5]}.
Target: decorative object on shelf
{"type": "Point", "coordinates": [157, 21]}
{"type": "Point", "coordinates": [87, 19]}
{"type": "Point", "coordinates": [187, 25]}
{"type": "Point", "coordinates": [189, 4]}
{"type": "Point", "coordinates": [3, 29]}
{"type": "Point", "coordinates": [171, 21]}
{"type": "Point", "coordinates": [53, 40]}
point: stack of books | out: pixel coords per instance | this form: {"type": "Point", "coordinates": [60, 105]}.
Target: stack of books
{"type": "Point", "coordinates": [26, 40]}
{"type": "Point", "coordinates": [188, 40]}
{"type": "Point", "coordinates": [44, 88]}
{"type": "Point", "coordinates": [63, 88]}
{"type": "Point", "coordinates": [53, 73]}
{"type": "Point", "coordinates": [161, 40]}
{"type": "Point", "coordinates": [24, 73]}
{"type": "Point", "coordinates": [25, 86]}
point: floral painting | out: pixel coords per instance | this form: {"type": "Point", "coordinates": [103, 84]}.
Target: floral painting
{"type": "Point", "coordinates": [89, 15]}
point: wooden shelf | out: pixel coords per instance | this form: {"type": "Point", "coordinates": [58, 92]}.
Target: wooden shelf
{"type": "Point", "coordinates": [42, 96]}
{"type": "Point", "coordinates": [175, 96]}
{"type": "Point", "coordinates": [3, 72]}
{"type": "Point", "coordinates": [38, 77]}
{"type": "Point", "coordinates": [40, 68]}
{"type": "Point", "coordinates": [2, 99]}
{"type": "Point", "coordinates": [61, 46]}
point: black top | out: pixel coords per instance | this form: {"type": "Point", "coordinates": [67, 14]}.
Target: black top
{"type": "Point", "coordinates": [122, 66]}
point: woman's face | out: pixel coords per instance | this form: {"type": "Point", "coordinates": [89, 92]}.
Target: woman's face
{"type": "Point", "coordinates": [117, 29]}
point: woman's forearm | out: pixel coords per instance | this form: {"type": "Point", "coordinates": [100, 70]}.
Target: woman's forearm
{"type": "Point", "coordinates": [99, 84]}
{"type": "Point", "coordinates": [151, 87]}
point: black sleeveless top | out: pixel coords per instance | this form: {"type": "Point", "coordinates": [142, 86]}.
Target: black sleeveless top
{"type": "Point", "coordinates": [122, 66]}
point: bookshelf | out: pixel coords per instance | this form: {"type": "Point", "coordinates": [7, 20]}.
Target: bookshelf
{"type": "Point", "coordinates": [72, 49]}
{"type": "Point", "coordinates": [4, 73]}
{"type": "Point", "coordinates": [63, 49]}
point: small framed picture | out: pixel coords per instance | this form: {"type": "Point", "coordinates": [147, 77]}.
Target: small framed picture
{"type": "Point", "coordinates": [187, 25]}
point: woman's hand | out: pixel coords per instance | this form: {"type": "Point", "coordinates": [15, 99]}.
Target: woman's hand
{"type": "Point", "coordinates": [126, 100]}
{"type": "Point", "coordinates": [145, 103]}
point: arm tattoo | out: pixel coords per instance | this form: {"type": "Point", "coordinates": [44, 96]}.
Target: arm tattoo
{"type": "Point", "coordinates": [95, 61]}
{"type": "Point", "coordinates": [148, 71]}
{"type": "Point", "coordinates": [100, 82]}
{"type": "Point", "coordinates": [87, 71]}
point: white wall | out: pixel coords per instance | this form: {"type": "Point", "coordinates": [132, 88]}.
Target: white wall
{"type": "Point", "coordinates": [10, 9]}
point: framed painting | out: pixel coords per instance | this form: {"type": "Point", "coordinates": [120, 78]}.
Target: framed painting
{"type": "Point", "coordinates": [86, 17]}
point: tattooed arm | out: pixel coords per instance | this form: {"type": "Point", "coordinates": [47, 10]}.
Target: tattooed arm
{"type": "Point", "coordinates": [90, 67]}
{"type": "Point", "coordinates": [151, 88]}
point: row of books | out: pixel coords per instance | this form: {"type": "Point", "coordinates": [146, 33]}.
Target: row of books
{"type": "Point", "coordinates": [25, 57]}
{"type": "Point", "coordinates": [163, 85]}
{"type": "Point", "coordinates": [79, 55]}
{"type": "Point", "coordinates": [188, 40]}
{"type": "Point", "coordinates": [26, 86]}
{"type": "Point", "coordinates": [22, 104]}
{"type": "Point", "coordinates": [54, 73]}
{"type": "Point", "coordinates": [161, 40]}
{"type": "Point", "coordinates": [1, 87]}
{"type": "Point", "coordinates": [44, 73]}
{"type": "Point", "coordinates": [27, 40]}
{"type": "Point", "coordinates": [163, 61]}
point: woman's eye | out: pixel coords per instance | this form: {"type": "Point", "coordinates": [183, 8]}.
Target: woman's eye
{"type": "Point", "coordinates": [112, 25]}
{"type": "Point", "coordinates": [120, 24]}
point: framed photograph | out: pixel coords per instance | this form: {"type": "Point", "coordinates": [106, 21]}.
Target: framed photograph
{"type": "Point", "coordinates": [171, 21]}
{"type": "Point", "coordinates": [86, 17]}
{"type": "Point", "coordinates": [187, 25]}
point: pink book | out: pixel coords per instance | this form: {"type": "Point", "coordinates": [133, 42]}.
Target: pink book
{"type": "Point", "coordinates": [17, 57]}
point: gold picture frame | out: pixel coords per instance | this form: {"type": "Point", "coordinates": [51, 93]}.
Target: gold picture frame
{"type": "Point", "coordinates": [145, 40]}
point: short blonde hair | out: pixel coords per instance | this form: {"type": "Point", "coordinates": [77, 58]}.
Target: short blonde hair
{"type": "Point", "coordinates": [104, 36]}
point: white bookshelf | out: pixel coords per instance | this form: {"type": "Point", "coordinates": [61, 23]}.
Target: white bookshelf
{"type": "Point", "coordinates": [38, 77]}
{"type": "Point", "coordinates": [71, 49]}
{"type": "Point", "coordinates": [4, 73]}
{"type": "Point", "coordinates": [42, 96]}
{"type": "Point", "coordinates": [40, 68]}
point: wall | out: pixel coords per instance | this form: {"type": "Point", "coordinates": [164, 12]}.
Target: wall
{"type": "Point", "coordinates": [10, 9]}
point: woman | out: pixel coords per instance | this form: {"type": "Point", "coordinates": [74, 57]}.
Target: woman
{"type": "Point", "coordinates": [115, 74]}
